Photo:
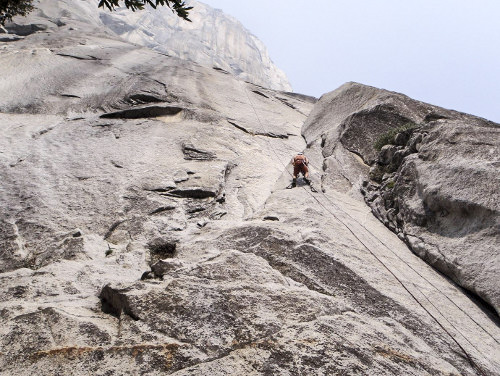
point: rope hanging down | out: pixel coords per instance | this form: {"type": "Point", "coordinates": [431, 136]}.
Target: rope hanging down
{"type": "Point", "coordinates": [469, 358]}
{"type": "Point", "coordinates": [389, 249]}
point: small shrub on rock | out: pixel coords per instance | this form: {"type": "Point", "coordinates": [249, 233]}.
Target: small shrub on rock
{"type": "Point", "coordinates": [389, 136]}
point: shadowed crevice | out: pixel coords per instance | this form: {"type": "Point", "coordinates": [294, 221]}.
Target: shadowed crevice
{"type": "Point", "coordinates": [115, 302]}
{"type": "Point", "coordinates": [143, 112]}
{"type": "Point", "coordinates": [265, 134]}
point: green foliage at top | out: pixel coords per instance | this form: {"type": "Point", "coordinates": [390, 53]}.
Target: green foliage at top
{"type": "Point", "coordinates": [11, 8]}
{"type": "Point", "coordinates": [388, 137]}
{"type": "Point", "coordinates": [178, 6]}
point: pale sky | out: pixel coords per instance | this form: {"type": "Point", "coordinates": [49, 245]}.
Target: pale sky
{"type": "Point", "coordinates": [444, 52]}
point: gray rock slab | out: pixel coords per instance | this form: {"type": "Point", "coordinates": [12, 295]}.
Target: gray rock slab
{"type": "Point", "coordinates": [443, 191]}
{"type": "Point", "coordinates": [112, 263]}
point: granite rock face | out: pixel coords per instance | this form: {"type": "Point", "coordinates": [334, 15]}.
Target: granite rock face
{"type": "Point", "coordinates": [212, 39]}
{"type": "Point", "coordinates": [146, 228]}
{"type": "Point", "coordinates": [440, 195]}
{"type": "Point", "coordinates": [435, 183]}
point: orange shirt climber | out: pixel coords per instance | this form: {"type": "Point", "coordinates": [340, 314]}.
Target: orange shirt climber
{"type": "Point", "coordinates": [300, 163]}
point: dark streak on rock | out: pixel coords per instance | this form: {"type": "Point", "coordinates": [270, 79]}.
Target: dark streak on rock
{"type": "Point", "coordinates": [270, 218]}
{"type": "Point", "coordinates": [238, 126]}
{"type": "Point", "coordinates": [144, 98]}
{"type": "Point", "coordinates": [158, 190]}
{"type": "Point", "coordinates": [330, 276]}
{"type": "Point", "coordinates": [196, 210]}
{"type": "Point", "coordinates": [285, 102]}
{"type": "Point", "coordinates": [115, 302]}
{"type": "Point", "coordinates": [259, 93]}
{"type": "Point", "coordinates": [192, 153]}
{"type": "Point", "coordinates": [147, 275]}
{"type": "Point", "coordinates": [143, 112]}
{"type": "Point", "coordinates": [70, 96]}
{"type": "Point", "coordinates": [170, 194]}
{"type": "Point", "coordinates": [197, 192]}
{"type": "Point", "coordinates": [87, 57]}
{"type": "Point", "coordinates": [220, 70]}
{"type": "Point", "coordinates": [10, 38]}
{"type": "Point", "coordinates": [113, 228]}
{"type": "Point", "coordinates": [272, 135]}
{"type": "Point", "coordinates": [42, 132]}
{"type": "Point", "coordinates": [162, 209]}
{"type": "Point", "coordinates": [433, 117]}
{"type": "Point", "coordinates": [265, 134]}
{"type": "Point", "coordinates": [161, 249]}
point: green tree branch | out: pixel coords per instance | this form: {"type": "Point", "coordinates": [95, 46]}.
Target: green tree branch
{"type": "Point", "coordinates": [11, 8]}
{"type": "Point", "coordinates": [179, 7]}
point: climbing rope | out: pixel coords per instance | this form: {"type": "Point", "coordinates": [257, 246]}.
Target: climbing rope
{"type": "Point", "coordinates": [469, 358]}
{"type": "Point", "coordinates": [414, 270]}
{"type": "Point", "coordinates": [390, 250]}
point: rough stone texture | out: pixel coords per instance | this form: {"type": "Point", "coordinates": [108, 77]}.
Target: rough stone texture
{"type": "Point", "coordinates": [166, 243]}
{"type": "Point", "coordinates": [441, 195]}
{"type": "Point", "coordinates": [213, 38]}
{"type": "Point", "coordinates": [435, 185]}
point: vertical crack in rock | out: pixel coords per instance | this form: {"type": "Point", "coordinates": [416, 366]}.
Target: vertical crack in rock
{"type": "Point", "coordinates": [12, 247]}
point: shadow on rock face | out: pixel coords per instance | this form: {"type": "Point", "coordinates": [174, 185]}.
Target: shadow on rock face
{"type": "Point", "coordinates": [161, 249]}
{"type": "Point", "coordinates": [115, 302]}
{"type": "Point", "coordinates": [143, 112]}
{"type": "Point", "coordinates": [24, 30]}
{"type": "Point", "coordinates": [193, 153]}
{"type": "Point", "coordinates": [143, 98]}
{"type": "Point", "coordinates": [318, 271]}
{"type": "Point", "coordinates": [361, 130]}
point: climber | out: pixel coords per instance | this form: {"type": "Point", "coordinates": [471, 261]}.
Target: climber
{"type": "Point", "coordinates": [300, 163]}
